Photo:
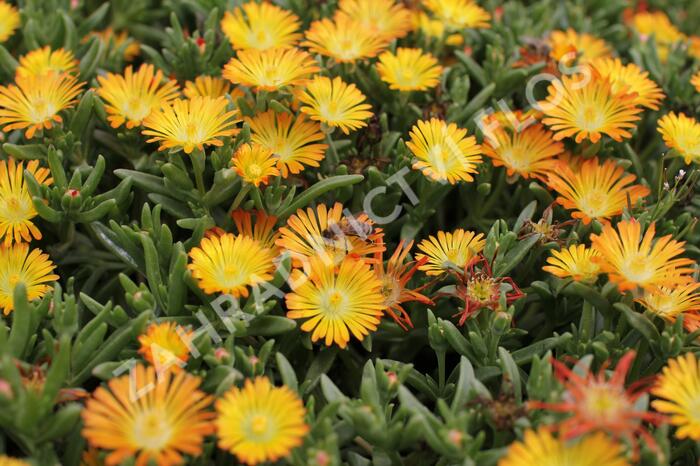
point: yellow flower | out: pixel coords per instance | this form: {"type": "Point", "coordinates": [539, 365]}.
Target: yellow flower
{"type": "Point", "coordinates": [336, 301]}
{"type": "Point", "coordinates": [669, 303]}
{"type": "Point", "coordinates": [41, 61]}
{"type": "Point", "coordinates": [632, 261]}
{"type": "Point", "coordinates": [20, 265]}
{"type": "Point", "coordinates": [270, 69]}
{"type": "Point", "coordinates": [595, 191]}
{"type": "Point", "coordinates": [186, 124]}
{"type": "Point", "coordinates": [695, 81]}
{"type": "Point", "coordinates": [570, 42]}
{"type": "Point", "coordinates": [260, 26]}
{"type": "Point", "coordinates": [335, 103]}
{"type": "Point", "coordinates": [165, 346]}
{"type": "Point", "coordinates": [409, 69]}
{"type": "Point", "coordinates": [656, 24]}
{"type": "Point", "coordinates": [229, 264]}
{"type": "Point", "coordinates": [8, 461]}
{"type": "Point", "coordinates": [679, 390]}
{"type": "Point", "coordinates": [630, 78]}
{"type": "Point", "coordinates": [449, 251]}
{"type": "Point", "coordinates": [255, 164]}
{"type": "Point", "coordinates": [540, 448]}
{"type": "Point", "coordinates": [209, 86]}
{"type": "Point", "coordinates": [386, 18]}
{"type": "Point", "coordinates": [293, 141]}
{"type": "Point", "coordinates": [343, 39]}
{"type": "Point", "coordinates": [9, 20]}
{"type": "Point", "coordinates": [263, 231]}
{"type": "Point", "coordinates": [35, 101]}
{"type": "Point", "coordinates": [134, 96]}
{"type": "Point", "coordinates": [587, 110]}
{"type": "Point", "coordinates": [260, 422]}
{"type": "Point", "coordinates": [16, 206]}
{"type": "Point", "coordinates": [431, 28]}
{"type": "Point", "coordinates": [443, 151]}
{"type": "Point", "coordinates": [682, 134]}
{"type": "Point", "coordinates": [576, 262]}
{"type": "Point", "coordinates": [130, 48]}
{"type": "Point", "coordinates": [148, 417]}
{"type": "Point", "coordinates": [459, 14]}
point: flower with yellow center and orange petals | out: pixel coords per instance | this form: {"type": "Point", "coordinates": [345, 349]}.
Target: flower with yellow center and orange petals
{"type": "Point", "coordinates": [149, 417]}
{"type": "Point", "coordinates": [131, 97]}
{"type": "Point", "coordinates": [260, 423]}
{"type": "Point", "coordinates": [343, 39]}
{"type": "Point", "coordinates": [32, 268]}
{"type": "Point", "coordinates": [270, 69]}
{"type": "Point", "coordinates": [230, 264]}
{"type": "Point", "coordinates": [9, 20]}
{"type": "Point", "coordinates": [35, 102]}
{"type": "Point", "coordinates": [585, 107]}
{"type": "Point", "coordinates": [336, 301]}
{"type": "Point", "coordinates": [443, 151]}
{"type": "Point", "coordinates": [335, 103]}
{"type": "Point", "coordinates": [166, 346]}
{"type": "Point", "coordinates": [449, 251]}
{"type": "Point", "coordinates": [574, 262]}
{"type": "Point", "coordinates": [263, 230]}
{"type": "Point", "coordinates": [41, 61]}
{"type": "Point", "coordinates": [192, 123]}
{"type": "Point", "coordinates": [595, 191]}
{"type": "Point", "coordinates": [669, 303]}
{"type": "Point", "coordinates": [409, 69]}
{"type": "Point", "coordinates": [295, 142]}
{"type": "Point", "coordinates": [255, 164]}
{"type": "Point", "coordinates": [260, 25]}
{"type": "Point", "coordinates": [541, 448]}
{"type": "Point", "coordinates": [565, 45]}
{"type": "Point", "coordinates": [386, 18]}
{"type": "Point", "coordinates": [657, 24]}
{"type": "Point", "coordinates": [632, 261]}
{"type": "Point", "coordinates": [631, 79]}
{"type": "Point", "coordinates": [459, 14]}
{"type": "Point", "coordinates": [678, 388]}
{"type": "Point", "coordinates": [682, 134]}
{"type": "Point", "coordinates": [16, 206]}
{"type": "Point", "coordinates": [210, 86]}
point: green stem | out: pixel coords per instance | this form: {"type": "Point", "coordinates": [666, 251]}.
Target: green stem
{"type": "Point", "coordinates": [441, 369]}
{"type": "Point", "coordinates": [257, 199]}
{"type": "Point", "coordinates": [239, 198]}
{"type": "Point", "coordinates": [198, 166]}
{"type": "Point", "coordinates": [332, 157]}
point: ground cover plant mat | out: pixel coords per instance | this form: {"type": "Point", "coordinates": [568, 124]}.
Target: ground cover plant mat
{"type": "Point", "coordinates": [349, 232]}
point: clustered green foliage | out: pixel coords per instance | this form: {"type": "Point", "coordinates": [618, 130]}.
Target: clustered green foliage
{"type": "Point", "coordinates": [398, 397]}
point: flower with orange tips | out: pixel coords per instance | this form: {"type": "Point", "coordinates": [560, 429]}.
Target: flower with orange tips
{"type": "Point", "coordinates": [386, 18]}
{"type": "Point", "coordinates": [149, 418]}
{"type": "Point", "coordinates": [192, 123]}
{"type": "Point", "coordinates": [574, 262]}
{"type": "Point", "coordinates": [9, 20]}
{"type": "Point", "coordinates": [449, 251]}
{"type": "Point", "coordinates": [260, 423]}
{"type": "Point", "coordinates": [682, 134]}
{"type": "Point", "coordinates": [131, 97]}
{"type": "Point", "coordinates": [32, 268]}
{"type": "Point", "coordinates": [263, 230]}
{"type": "Point", "coordinates": [34, 102]}
{"type": "Point", "coordinates": [657, 24]}
{"type": "Point", "coordinates": [631, 79]}
{"type": "Point", "coordinates": [459, 14]}
{"type": "Point", "coordinates": [632, 261]}
{"type": "Point", "coordinates": [295, 142]}
{"type": "Point", "coordinates": [678, 388]}
{"type": "Point", "coordinates": [343, 39]}
{"type": "Point", "coordinates": [44, 60]}
{"type": "Point", "coordinates": [210, 86]}
{"type": "Point", "coordinates": [669, 303]}
{"type": "Point", "coordinates": [585, 107]}
{"type": "Point", "coordinates": [260, 25]}
{"type": "Point", "coordinates": [270, 69]}
{"type": "Point", "coordinates": [166, 346]}
{"type": "Point", "coordinates": [336, 302]}
{"type": "Point", "coordinates": [16, 206]}
{"type": "Point", "coordinates": [595, 191]}
{"type": "Point", "coordinates": [409, 69]}
{"type": "Point", "coordinates": [255, 164]}
{"type": "Point", "coordinates": [335, 103]}
{"type": "Point", "coordinates": [569, 44]}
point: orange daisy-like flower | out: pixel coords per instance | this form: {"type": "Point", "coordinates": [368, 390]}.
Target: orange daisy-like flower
{"type": "Point", "coordinates": [571, 43]}
{"type": "Point", "coordinates": [295, 142]}
{"type": "Point", "coordinates": [657, 24]}
{"type": "Point", "coordinates": [343, 39]}
{"type": "Point", "coordinates": [682, 134]}
{"type": "Point", "coordinates": [669, 303]}
{"type": "Point", "coordinates": [9, 20]}
{"type": "Point", "coordinates": [449, 251]}
{"type": "Point", "coordinates": [585, 107]}
{"type": "Point", "coordinates": [595, 191]}
{"type": "Point", "coordinates": [19, 264]}
{"type": "Point", "coordinates": [386, 18]}
{"type": "Point", "coordinates": [149, 418]}
{"type": "Point", "coordinates": [41, 61]}
{"type": "Point", "coordinates": [270, 69]}
{"type": "Point", "coordinates": [131, 97]}
{"type": "Point", "coordinates": [409, 69]}
{"type": "Point", "coordinates": [574, 262]}
{"type": "Point", "coordinates": [459, 14]}
{"type": "Point", "coordinates": [34, 102]}
{"type": "Point", "coordinates": [166, 346]}
{"type": "Point", "coordinates": [632, 261]}
{"type": "Point", "coordinates": [335, 103]}
{"type": "Point", "coordinates": [255, 164]}
{"type": "Point", "coordinates": [631, 79]}
{"type": "Point", "coordinates": [263, 230]}
{"type": "Point", "coordinates": [260, 26]}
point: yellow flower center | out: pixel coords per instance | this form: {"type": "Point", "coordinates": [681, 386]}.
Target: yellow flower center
{"type": "Point", "coordinates": [590, 118]}
{"type": "Point", "coordinates": [13, 280]}
{"type": "Point", "coordinates": [335, 302]}
{"type": "Point", "coordinates": [151, 430]}
{"type": "Point", "coordinates": [635, 269]}
{"type": "Point", "coordinates": [41, 110]}
{"type": "Point", "coordinates": [258, 425]}
{"type": "Point", "coordinates": [193, 132]}
{"type": "Point", "coordinates": [605, 403]}
{"type": "Point", "coordinates": [137, 108]}
{"type": "Point", "coordinates": [594, 203]}
{"type": "Point", "coordinates": [254, 171]}
{"type": "Point", "coordinates": [481, 289]}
